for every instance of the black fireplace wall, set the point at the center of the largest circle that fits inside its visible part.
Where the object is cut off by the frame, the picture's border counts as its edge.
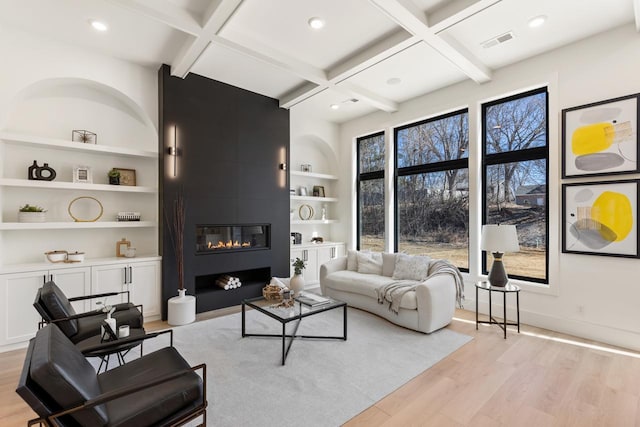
(223, 148)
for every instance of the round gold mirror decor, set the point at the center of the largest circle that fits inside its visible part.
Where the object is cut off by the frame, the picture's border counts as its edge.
(85, 209)
(305, 212)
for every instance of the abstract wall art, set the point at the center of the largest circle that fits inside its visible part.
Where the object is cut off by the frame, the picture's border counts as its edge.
(601, 218)
(601, 138)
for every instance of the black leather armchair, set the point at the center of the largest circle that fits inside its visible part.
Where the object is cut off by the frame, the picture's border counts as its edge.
(55, 307)
(158, 389)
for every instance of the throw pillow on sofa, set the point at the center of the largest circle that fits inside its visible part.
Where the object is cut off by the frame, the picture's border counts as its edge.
(411, 267)
(368, 263)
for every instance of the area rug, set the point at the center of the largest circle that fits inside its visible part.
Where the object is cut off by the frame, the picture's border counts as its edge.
(324, 383)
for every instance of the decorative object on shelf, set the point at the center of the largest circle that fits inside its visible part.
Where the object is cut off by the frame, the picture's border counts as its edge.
(127, 176)
(75, 256)
(305, 212)
(181, 309)
(292, 191)
(324, 213)
(297, 281)
(130, 252)
(82, 175)
(302, 191)
(305, 168)
(76, 219)
(64, 256)
(41, 173)
(601, 138)
(318, 191)
(601, 218)
(317, 239)
(122, 246)
(128, 216)
(29, 213)
(84, 136)
(114, 176)
(296, 238)
(499, 239)
(56, 256)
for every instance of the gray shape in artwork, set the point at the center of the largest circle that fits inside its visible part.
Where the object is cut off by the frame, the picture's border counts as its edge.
(590, 233)
(600, 114)
(598, 161)
(583, 195)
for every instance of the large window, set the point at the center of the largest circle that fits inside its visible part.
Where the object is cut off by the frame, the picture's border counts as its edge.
(515, 176)
(432, 188)
(371, 192)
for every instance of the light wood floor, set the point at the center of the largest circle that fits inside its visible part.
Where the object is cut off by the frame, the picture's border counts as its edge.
(537, 378)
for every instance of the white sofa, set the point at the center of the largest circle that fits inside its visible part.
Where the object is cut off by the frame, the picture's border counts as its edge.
(430, 307)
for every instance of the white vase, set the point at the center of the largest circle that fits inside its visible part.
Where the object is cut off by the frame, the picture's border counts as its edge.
(296, 284)
(31, 216)
(181, 309)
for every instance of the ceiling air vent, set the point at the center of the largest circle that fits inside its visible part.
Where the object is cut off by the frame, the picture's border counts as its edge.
(497, 40)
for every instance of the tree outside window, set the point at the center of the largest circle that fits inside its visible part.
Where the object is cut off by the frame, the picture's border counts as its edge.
(371, 222)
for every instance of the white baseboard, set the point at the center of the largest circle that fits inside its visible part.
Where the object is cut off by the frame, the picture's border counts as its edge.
(587, 330)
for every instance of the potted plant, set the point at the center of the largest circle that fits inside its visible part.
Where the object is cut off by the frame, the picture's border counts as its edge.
(31, 213)
(114, 176)
(297, 281)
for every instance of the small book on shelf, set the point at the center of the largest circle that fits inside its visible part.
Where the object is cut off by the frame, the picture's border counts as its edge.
(313, 300)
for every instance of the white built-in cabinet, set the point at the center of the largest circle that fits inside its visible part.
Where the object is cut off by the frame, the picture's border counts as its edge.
(19, 319)
(304, 182)
(314, 255)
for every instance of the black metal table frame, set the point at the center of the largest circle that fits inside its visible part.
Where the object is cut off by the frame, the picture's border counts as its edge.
(298, 319)
(492, 321)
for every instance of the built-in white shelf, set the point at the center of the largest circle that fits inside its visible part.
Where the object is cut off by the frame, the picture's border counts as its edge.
(313, 221)
(53, 185)
(75, 225)
(314, 198)
(63, 144)
(314, 175)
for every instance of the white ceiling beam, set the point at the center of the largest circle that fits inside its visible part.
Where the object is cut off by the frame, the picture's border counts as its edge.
(636, 11)
(163, 12)
(375, 54)
(364, 95)
(215, 18)
(299, 94)
(277, 59)
(443, 19)
(416, 23)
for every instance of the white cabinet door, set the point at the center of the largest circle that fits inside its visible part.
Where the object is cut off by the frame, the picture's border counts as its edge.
(309, 257)
(110, 278)
(144, 285)
(75, 282)
(19, 319)
(341, 250)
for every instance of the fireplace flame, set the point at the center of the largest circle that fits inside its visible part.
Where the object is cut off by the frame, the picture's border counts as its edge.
(228, 245)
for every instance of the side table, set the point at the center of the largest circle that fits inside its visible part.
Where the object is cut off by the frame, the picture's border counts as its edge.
(508, 288)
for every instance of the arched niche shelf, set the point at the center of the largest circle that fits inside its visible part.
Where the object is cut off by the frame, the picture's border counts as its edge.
(54, 107)
(313, 150)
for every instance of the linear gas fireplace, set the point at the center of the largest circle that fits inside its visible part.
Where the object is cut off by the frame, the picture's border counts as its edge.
(212, 239)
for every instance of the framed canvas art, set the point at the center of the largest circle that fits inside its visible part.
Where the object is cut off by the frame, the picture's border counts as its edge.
(601, 138)
(601, 218)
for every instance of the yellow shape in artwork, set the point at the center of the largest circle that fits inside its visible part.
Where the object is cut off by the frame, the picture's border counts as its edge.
(592, 138)
(614, 211)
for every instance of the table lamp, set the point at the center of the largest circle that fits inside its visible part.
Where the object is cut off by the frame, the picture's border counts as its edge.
(499, 239)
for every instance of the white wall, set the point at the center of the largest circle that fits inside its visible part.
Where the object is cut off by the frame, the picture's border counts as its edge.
(589, 296)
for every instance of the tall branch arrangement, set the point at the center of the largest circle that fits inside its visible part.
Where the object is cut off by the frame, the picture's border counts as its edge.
(176, 233)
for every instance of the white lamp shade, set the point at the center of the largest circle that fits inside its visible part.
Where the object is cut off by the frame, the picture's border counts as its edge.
(499, 238)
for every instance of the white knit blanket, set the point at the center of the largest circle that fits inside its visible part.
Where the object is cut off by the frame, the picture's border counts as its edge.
(393, 292)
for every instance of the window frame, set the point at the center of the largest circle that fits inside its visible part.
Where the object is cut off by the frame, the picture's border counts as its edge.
(528, 154)
(442, 166)
(365, 176)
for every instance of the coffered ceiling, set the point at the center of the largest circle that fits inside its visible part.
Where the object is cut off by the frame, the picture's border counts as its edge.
(370, 55)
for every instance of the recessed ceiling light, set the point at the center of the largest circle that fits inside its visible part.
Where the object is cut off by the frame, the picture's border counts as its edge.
(98, 26)
(335, 106)
(537, 21)
(394, 81)
(316, 23)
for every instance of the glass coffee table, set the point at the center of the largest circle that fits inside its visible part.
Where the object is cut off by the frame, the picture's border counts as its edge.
(295, 313)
